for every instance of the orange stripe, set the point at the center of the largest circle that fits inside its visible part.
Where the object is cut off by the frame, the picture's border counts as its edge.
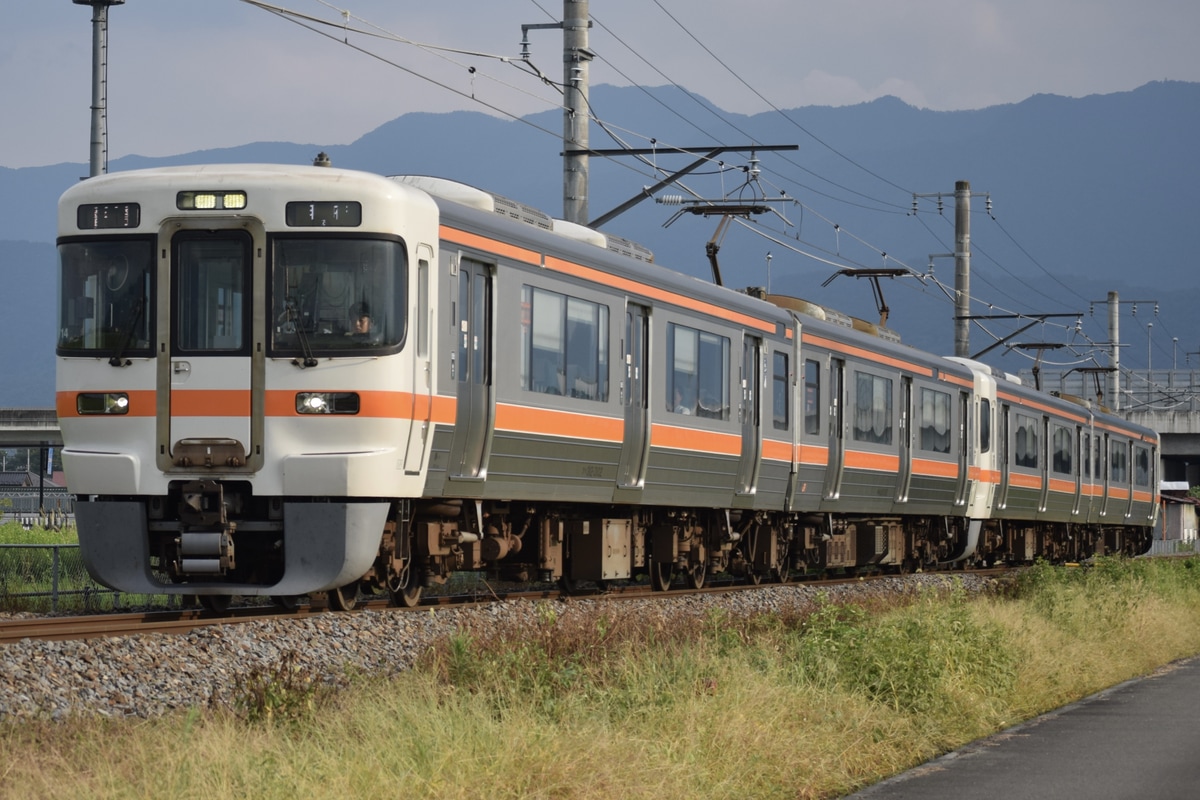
(210, 403)
(858, 459)
(626, 285)
(1024, 402)
(776, 450)
(551, 422)
(490, 245)
(1025, 481)
(930, 467)
(531, 257)
(812, 455)
(866, 355)
(691, 439)
(1065, 487)
(964, 382)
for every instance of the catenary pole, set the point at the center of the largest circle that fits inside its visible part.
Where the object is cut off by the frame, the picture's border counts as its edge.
(98, 162)
(576, 57)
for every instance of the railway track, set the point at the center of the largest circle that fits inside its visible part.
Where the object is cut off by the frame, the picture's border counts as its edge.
(99, 626)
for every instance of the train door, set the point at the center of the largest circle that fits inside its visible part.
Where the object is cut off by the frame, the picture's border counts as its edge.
(1044, 464)
(472, 371)
(837, 434)
(422, 393)
(963, 490)
(904, 478)
(211, 411)
(1002, 456)
(631, 471)
(751, 415)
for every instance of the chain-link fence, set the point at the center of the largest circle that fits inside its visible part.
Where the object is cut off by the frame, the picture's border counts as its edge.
(43, 578)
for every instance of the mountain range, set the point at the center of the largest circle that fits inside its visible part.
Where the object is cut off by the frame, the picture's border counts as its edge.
(1072, 198)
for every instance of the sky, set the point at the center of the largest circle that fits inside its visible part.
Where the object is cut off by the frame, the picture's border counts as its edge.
(186, 75)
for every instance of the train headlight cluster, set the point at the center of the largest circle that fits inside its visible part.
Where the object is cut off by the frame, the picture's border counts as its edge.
(89, 403)
(210, 201)
(327, 403)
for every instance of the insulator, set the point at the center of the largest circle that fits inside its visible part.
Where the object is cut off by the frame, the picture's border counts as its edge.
(669, 199)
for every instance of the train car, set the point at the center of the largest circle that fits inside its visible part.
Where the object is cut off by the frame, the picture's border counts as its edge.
(279, 380)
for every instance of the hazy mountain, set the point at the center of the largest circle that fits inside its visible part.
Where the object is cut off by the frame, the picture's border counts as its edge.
(1088, 195)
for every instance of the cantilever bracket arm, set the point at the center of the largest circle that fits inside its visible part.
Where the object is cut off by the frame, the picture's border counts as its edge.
(648, 191)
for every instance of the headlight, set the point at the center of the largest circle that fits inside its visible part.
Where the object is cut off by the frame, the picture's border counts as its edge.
(327, 403)
(88, 403)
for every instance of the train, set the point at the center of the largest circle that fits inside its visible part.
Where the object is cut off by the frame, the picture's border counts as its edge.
(288, 381)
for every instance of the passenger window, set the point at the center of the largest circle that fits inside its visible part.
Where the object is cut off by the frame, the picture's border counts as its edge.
(873, 408)
(779, 390)
(698, 380)
(812, 397)
(1063, 461)
(1025, 445)
(564, 348)
(935, 421)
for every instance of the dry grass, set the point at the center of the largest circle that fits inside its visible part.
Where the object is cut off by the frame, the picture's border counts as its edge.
(610, 705)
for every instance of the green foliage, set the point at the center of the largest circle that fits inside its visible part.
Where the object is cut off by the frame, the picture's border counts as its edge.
(282, 692)
(14, 533)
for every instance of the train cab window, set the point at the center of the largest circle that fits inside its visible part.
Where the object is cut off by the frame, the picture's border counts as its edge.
(812, 397)
(337, 296)
(564, 345)
(1141, 466)
(873, 408)
(1025, 442)
(1118, 461)
(935, 421)
(1063, 461)
(105, 299)
(698, 372)
(779, 390)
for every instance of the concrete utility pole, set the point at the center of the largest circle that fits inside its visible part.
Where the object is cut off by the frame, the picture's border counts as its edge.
(1114, 358)
(576, 57)
(99, 159)
(962, 269)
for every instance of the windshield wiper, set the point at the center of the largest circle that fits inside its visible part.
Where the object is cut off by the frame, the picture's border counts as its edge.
(118, 358)
(305, 348)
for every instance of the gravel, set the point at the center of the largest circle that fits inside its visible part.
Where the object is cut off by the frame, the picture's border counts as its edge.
(148, 675)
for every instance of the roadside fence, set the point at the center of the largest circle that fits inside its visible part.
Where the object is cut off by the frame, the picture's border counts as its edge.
(43, 578)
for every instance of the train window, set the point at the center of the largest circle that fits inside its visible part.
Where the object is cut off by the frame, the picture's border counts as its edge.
(1085, 453)
(1141, 466)
(564, 345)
(935, 421)
(210, 303)
(1118, 462)
(105, 298)
(1025, 444)
(1063, 459)
(779, 390)
(873, 408)
(698, 380)
(985, 425)
(334, 295)
(812, 397)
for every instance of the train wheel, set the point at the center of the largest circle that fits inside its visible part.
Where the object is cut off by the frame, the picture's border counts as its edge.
(568, 586)
(288, 602)
(404, 590)
(216, 603)
(344, 598)
(783, 573)
(754, 578)
(660, 576)
(695, 575)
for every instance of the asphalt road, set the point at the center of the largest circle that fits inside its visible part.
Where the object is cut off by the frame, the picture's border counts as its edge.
(1140, 739)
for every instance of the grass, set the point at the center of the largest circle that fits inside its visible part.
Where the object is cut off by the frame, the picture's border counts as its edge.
(610, 704)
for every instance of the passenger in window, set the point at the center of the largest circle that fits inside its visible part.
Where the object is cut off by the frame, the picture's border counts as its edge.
(680, 407)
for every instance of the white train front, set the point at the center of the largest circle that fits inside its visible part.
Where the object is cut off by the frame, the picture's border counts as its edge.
(281, 380)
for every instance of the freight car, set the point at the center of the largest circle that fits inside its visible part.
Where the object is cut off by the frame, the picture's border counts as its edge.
(277, 380)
